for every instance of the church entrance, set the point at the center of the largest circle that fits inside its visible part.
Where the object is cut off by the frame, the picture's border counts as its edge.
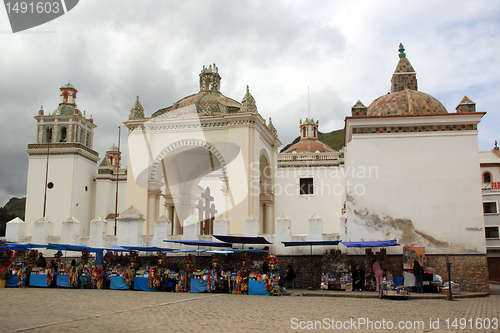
(190, 181)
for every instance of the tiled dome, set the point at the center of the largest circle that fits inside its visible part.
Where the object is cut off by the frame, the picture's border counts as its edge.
(309, 146)
(406, 102)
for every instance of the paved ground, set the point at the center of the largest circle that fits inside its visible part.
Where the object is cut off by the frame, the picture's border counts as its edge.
(68, 310)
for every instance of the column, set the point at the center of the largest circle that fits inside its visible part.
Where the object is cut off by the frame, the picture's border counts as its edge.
(269, 219)
(153, 208)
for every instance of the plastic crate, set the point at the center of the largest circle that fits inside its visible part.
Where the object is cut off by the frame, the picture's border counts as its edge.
(398, 281)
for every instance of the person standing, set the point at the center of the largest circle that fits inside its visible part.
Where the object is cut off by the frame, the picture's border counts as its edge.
(41, 262)
(358, 278)
(418, 271)
(377, 271)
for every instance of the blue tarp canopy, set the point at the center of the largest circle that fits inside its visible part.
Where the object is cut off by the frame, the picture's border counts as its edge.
(28, 245)
(13, 248)
(71, 247)
(242, 240)
(372, 243)
(146, 248)
(236, 251)
(312, 243)
(117, 248)
(189, 251)
(199, 243)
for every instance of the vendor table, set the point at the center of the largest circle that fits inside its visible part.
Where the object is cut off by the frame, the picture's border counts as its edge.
(63, 281)
(12, 281)
(85, 282)
(257, 288)
(117, 283)
(38, 280)
(141, 283)
(198, 285)
(409, 279)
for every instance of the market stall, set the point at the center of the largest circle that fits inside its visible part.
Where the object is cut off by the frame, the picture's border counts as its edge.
(249, 270)
(311, 244)
(380, 257)
(431, 283)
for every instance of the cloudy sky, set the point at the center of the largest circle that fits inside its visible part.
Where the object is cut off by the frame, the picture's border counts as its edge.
(343, 50)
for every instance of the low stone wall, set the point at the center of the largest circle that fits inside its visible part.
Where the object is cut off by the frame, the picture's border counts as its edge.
(470, 271)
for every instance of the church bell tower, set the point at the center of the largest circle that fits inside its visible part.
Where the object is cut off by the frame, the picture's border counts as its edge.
(61, 165)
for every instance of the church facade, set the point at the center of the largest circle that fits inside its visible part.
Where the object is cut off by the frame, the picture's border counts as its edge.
(209, 165)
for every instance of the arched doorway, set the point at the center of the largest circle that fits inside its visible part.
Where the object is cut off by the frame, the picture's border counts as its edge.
(190, 176)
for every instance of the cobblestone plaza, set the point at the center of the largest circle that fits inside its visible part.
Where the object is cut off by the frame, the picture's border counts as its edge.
(71, 310)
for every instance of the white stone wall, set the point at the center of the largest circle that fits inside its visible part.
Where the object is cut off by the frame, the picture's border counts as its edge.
(423, 190)
(70, 175)
(326, 201)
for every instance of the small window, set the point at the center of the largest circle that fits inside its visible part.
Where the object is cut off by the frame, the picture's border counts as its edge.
(306, 186)
(491, 232)
(490, 208)
(486, 177)
(63, 134)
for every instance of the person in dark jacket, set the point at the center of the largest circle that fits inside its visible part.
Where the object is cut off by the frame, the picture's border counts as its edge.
(289, 277)
(418, 271)
(41, 262)
(358, 278)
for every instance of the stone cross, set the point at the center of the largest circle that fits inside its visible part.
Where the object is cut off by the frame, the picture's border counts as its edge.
(206, 213)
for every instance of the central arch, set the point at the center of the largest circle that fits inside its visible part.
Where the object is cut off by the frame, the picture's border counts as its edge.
(177, 173)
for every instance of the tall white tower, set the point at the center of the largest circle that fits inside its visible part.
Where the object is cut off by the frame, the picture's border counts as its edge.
(62, 156)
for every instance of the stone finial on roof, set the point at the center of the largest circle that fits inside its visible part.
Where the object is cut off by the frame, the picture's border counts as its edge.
(359, 110)
(401, 50)
(248, 103)
(495, 150)
(404, 76)
(272, 129)
(131, 213)
(137, 111)
(466, 106)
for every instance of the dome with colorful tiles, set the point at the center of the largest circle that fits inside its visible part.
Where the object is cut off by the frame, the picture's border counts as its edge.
(113, 148)
(404, 98)
(68, 85)
(65, 109)
(209, 100)
(406, 102)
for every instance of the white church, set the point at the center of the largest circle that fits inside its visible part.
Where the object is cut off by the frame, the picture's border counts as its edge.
(209, 165)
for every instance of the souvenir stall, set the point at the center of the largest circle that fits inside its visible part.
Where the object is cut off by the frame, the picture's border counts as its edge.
(76, 273)
(311, 244)
(238, 271)
(267, 283)
(12, 266)
(117, 271)
(150, 276)
(380, 257)
(431, 283)
(190, 279)
(336, 271)
(249, 270)
(26, 265)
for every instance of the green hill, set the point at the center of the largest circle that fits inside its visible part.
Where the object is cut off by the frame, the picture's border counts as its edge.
(334, 139)
(12, 209)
